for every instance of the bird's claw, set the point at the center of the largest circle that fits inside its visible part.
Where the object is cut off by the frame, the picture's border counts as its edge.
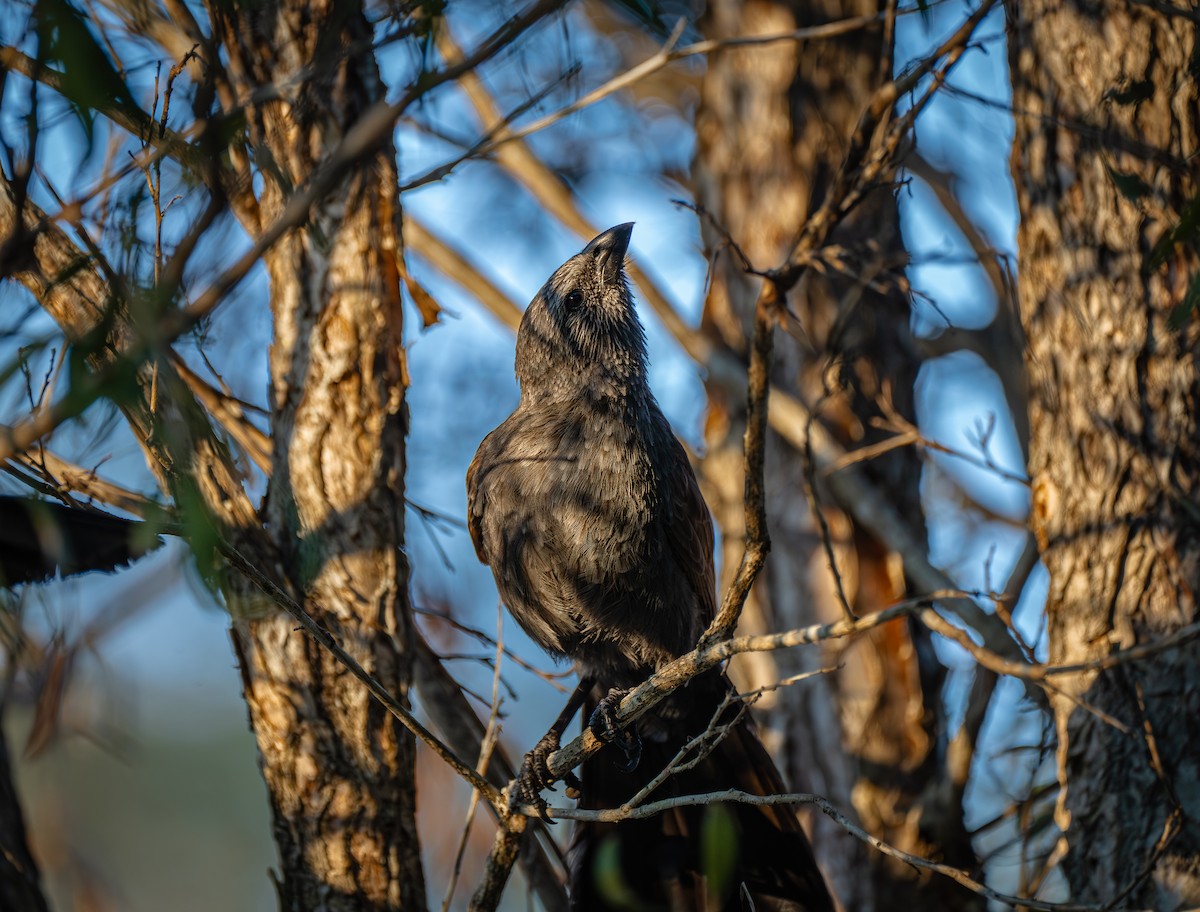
(604, 725)
(535, 776)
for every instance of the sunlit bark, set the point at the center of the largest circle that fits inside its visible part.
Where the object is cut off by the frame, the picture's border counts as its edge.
(1103, 161)
(338, 767)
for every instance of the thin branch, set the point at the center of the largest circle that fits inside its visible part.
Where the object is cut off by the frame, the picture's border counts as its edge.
(758, 540)
(736, 796)
(485, 756)
(65, 476)
(674, 675)
(502, 134)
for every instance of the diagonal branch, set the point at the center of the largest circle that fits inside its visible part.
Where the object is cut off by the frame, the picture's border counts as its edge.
(381, 693)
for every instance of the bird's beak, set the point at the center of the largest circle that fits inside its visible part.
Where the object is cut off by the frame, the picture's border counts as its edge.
(609, 249)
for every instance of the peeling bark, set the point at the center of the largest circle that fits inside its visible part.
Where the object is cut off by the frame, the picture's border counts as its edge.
(1108, 117)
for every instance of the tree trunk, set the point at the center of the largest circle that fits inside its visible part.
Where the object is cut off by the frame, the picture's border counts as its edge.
(1103, 161)
(338, 767)
(773, 126)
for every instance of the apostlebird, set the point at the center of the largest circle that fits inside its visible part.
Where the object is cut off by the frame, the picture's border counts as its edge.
(585, 506)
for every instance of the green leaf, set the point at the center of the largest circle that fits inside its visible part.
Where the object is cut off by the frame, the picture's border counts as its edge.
(720, 839)
(1133, 94)
(1188, 230)
(1129, 185)
(1179, 316)
(89, 82)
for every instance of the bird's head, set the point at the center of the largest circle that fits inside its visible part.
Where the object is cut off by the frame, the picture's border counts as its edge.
(582, 324)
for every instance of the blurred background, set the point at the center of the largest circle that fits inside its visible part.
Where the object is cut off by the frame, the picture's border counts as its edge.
(143, 793)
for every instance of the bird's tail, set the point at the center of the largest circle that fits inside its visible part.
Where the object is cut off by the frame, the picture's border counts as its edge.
(728, 856)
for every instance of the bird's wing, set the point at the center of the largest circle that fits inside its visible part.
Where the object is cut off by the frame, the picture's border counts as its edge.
(477, 501)
(690, 529)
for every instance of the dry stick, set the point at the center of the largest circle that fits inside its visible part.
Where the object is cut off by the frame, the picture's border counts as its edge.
(758, 539)
(735, 795)
(938, 624)
(485, 756)
(550, 677)
(674, 675)
(694, 749)
(381, 693)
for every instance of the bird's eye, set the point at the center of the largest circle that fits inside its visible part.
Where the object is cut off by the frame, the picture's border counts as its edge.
(574, 299)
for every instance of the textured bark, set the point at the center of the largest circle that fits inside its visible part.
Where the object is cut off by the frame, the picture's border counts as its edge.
(1105, 93)
(338, 767)
(773, 125)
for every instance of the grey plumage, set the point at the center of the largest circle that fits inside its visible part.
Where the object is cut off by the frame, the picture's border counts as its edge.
(583, 501)
(585, 507)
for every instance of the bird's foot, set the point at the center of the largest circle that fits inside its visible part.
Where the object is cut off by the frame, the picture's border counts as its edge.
(535, 776)
(604, 725)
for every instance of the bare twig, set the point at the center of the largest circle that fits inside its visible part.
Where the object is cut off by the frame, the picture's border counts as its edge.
(485, 757)
(666, 55)
(734, 795)
(672, 676)
(758, 540)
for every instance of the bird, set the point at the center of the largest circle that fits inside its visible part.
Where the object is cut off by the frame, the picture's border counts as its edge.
(585, 507)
